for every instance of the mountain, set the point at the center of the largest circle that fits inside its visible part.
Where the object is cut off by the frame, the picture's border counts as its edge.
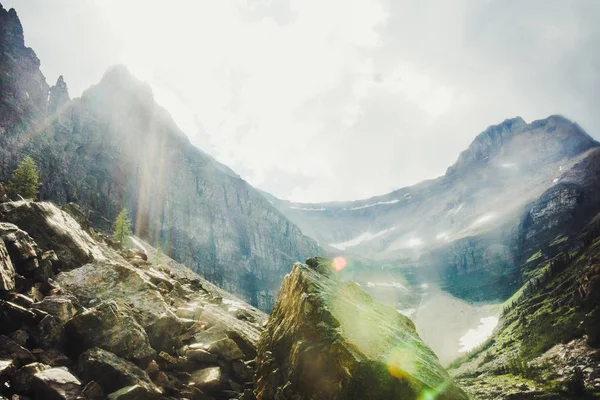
(517, 187)
(116, 147)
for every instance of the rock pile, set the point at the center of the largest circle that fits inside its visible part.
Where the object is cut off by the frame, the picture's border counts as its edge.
(79, 320)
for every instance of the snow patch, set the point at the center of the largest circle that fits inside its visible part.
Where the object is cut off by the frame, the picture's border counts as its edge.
(475, 337)
(363, 237)
(483, 219)
(307, 209)
(508, 165)
(555, 180)
(407, 312)
(442, 236)
(379, 203)
(454, 212)
(387, 284)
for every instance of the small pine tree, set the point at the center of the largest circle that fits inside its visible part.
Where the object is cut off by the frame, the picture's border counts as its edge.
(122, 227)
(25, 180)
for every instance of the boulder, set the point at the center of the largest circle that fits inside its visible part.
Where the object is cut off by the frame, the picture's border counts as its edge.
(21, 380)
(13, 316)
(207, 378)
(10, 350)
(226, 348)
(7, 368)
(135, 392)
(56, 384)
(7, 271)
(93, 391)
(198, 354)
(112, 372)
(52, 357)
(48, 333)
(22, 249)
(60, 307)
(122, 283)
(327, 339)
(53, 229)
(164, 334)
(110, 327)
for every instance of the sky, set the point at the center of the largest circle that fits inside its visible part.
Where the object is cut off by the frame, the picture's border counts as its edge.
(323, 100)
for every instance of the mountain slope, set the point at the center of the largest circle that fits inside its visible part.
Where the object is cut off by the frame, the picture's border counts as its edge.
(517, 186)
(116, 147)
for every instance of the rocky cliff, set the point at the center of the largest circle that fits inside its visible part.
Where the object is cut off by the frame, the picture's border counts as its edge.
(327, 339)
(115, 147)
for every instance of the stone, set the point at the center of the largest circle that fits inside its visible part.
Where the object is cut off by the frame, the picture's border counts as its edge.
(7, 369)
(52, 357)
(96, 282)
(13, 316)
(48, 265)
(112, 372)
(200, 355)
(60, 307)
(56, 384)
(164, 334)
(110, 327)
(135, 392)
(20, 337)
(207, 378)
(7, 271)
(242, 370)
(49, 333)
(328, 354)
(10, 350)
(93, 391)
(21, 248)
(53, 229)
(21, 380)
(226, 348)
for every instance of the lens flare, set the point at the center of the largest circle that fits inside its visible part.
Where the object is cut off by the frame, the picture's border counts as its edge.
(399, 361)
(339, 263)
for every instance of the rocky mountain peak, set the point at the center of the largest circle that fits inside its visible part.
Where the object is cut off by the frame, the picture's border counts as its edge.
(540, 142)
(59, 95)
(10, 28)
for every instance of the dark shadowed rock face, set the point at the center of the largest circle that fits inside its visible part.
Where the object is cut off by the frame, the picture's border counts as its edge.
(115, 146)
(330, 340)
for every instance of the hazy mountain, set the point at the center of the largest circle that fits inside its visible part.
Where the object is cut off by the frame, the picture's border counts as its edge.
(516, 187)
(116, 147)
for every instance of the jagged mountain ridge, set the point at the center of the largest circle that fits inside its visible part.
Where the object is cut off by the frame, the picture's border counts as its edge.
(116, 147)
(516, 186)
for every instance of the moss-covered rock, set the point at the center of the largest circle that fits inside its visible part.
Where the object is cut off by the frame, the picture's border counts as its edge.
(330, 340)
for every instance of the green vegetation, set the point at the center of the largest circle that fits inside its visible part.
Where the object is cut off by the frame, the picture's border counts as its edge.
(24, 180)
(122, 228)
(534, 256)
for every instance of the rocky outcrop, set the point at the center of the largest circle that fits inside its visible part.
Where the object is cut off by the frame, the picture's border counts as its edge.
(329, 340)
(116, 147)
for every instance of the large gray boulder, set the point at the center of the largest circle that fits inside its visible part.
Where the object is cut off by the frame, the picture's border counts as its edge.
(110, 327)
(56, 384)
(112, 372)
(53, 229)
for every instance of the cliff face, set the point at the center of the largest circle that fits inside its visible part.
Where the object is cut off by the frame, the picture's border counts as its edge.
(116, 147)
(330, 340)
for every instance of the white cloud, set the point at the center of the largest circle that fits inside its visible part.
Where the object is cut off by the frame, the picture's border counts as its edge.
(347, 99)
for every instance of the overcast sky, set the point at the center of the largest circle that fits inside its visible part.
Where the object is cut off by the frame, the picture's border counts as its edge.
(316, 100)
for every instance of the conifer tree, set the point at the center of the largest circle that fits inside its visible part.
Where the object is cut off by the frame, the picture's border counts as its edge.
(24, 180)
(122, 227)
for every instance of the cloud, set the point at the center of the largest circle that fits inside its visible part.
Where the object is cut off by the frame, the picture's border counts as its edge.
(339, 99)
